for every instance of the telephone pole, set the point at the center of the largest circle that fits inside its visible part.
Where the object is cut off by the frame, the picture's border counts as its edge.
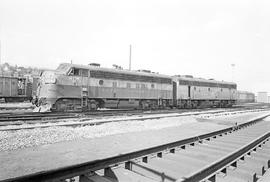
(0, 53)
(129, 57)
(1, 58)
(232, 65)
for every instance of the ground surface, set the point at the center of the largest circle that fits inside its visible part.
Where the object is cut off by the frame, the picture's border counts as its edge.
(16, 107)
(16, 104)
(11, 140)
(18, 139)
(50, 156)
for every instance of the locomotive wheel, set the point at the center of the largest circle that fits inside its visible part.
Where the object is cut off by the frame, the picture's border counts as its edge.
(154, 107)
(144, 105)
(93, 105)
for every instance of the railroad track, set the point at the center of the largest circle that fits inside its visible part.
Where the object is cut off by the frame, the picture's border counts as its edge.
(27, 116)
(235, 154)
(45, 121)
(30, 116)
(16, 108)
(34, 116)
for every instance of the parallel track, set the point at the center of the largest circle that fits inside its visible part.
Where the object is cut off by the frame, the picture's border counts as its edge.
(31, 116)
(45, 121)
(27, 116)
(231, 154)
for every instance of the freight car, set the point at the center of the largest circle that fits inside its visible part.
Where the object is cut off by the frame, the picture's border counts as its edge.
(245, 97)
(78, 87)
(15, 89)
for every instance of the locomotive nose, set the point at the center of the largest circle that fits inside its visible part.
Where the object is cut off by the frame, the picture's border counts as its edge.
(46, 93)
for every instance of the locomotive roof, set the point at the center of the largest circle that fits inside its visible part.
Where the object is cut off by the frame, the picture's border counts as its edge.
(244, 92)
(203, 80)
(67, 66)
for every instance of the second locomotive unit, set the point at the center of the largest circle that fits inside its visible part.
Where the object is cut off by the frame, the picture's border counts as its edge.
(77, 87)
(192, 92)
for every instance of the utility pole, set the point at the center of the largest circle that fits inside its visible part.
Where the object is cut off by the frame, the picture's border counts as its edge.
(0, 53)
(129, 57)
(1, 57)
(232, 65)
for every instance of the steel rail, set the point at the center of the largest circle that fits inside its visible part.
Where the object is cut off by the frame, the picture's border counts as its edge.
(30, 114)
(40, 116)
(211, 169)
(10, 117)
(11, 114)
(79, 169)
(85, 121)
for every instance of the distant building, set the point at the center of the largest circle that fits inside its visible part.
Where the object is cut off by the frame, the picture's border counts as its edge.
(262, 97)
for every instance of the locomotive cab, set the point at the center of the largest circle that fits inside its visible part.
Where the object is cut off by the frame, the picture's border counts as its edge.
(58, 89)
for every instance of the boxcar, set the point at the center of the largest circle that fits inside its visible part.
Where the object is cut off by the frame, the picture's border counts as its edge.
(13, 89)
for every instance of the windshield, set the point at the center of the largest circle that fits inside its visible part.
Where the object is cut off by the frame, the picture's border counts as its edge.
(63, 68)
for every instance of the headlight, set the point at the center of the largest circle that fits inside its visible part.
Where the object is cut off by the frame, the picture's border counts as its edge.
(48, 77)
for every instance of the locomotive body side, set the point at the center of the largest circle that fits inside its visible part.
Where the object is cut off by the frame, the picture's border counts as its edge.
(245, 97)
(87, 87)
(197, 92)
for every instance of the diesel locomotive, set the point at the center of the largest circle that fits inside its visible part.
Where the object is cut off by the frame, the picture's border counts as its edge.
(245, 97)
(74, 87)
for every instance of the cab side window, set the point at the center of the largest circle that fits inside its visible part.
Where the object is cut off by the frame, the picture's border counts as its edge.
(71, 72)
(76, 72)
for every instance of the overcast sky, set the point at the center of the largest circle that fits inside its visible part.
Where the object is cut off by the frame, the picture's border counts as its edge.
(196, 37)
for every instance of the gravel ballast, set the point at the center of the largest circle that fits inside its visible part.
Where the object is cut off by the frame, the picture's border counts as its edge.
(11, 140)
(18, 139)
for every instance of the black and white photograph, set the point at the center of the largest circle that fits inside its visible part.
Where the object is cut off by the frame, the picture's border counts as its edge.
(134, 91)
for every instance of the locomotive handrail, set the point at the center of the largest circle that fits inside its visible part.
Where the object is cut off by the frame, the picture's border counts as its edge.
(79, 169)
